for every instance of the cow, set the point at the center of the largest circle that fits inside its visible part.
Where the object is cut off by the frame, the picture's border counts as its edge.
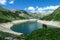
(44, 25)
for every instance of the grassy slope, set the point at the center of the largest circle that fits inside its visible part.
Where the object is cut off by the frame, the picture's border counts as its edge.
(7, 15)
(45, 34)
(54, 16)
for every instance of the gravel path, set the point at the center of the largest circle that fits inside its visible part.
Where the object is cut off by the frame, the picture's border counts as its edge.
(53, 23)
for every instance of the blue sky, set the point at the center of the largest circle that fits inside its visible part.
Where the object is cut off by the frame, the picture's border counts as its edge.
(31, 5)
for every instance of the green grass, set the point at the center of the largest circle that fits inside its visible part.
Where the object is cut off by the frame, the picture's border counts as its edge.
(8, 15)
(55, 16)
(45, 34)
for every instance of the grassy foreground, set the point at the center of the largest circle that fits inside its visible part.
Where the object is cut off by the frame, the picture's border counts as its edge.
(40, 34)
(45, 34)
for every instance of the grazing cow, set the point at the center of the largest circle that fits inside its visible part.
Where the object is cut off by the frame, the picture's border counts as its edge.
(44, 26)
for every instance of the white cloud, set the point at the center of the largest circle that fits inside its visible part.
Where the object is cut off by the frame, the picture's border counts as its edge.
(11, 2)
(48, 8)
(3, 2)
(31, 8)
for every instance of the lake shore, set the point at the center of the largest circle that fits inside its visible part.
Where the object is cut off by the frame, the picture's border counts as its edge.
(6, 26)
(53, 23)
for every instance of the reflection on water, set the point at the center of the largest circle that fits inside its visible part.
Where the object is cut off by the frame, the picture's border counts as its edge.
(26, 27)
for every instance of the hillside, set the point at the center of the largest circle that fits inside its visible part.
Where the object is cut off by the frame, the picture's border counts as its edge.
(22, 13)
(45, 34)
(55, 16)
(8, 15)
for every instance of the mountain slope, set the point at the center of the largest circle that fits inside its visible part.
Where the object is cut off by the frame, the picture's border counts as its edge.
(8, 15)
(22, 13)
(55, 16)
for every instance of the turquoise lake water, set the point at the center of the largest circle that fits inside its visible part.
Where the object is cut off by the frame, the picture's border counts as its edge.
(26, 27)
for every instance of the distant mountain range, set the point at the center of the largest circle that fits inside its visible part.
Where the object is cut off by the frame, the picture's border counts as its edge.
(9, 15)
(55, 16)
